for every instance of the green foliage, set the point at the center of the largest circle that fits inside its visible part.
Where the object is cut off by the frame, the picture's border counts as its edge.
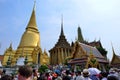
(78, 68)
(42, 68)
(102, 51)
(66, 60)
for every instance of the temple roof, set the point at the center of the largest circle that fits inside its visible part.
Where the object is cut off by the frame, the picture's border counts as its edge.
(115, 59)
(83, 51)
(95, 43)
(84, 60)
(62, 42)
(88, 49)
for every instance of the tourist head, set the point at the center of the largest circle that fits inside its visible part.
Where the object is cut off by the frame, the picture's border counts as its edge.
(86, 73)
(25, 73)
(4, 71)
(68, 72)
(112, 78)
(6, 77)
(104, 74)
(113, 70)
(0, 72)
(79, 72)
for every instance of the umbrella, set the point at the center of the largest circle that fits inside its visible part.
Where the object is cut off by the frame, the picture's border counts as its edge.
(94, 71)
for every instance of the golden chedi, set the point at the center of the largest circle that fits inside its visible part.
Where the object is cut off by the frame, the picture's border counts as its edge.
(8, 55)
(29, 47)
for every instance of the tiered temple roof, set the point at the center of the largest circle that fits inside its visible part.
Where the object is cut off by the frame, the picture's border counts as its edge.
(115, 62)
(82, 52)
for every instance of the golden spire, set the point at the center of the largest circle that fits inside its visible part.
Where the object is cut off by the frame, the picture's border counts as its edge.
(32, 22)
(34, 4)
(31, 37)
(10, 47)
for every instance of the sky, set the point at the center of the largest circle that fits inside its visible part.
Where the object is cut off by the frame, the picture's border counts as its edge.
(98, 19)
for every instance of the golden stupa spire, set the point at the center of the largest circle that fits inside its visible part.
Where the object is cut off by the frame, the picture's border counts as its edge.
(32, 22)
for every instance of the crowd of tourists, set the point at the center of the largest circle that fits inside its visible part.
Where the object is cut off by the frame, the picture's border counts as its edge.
(28, 73)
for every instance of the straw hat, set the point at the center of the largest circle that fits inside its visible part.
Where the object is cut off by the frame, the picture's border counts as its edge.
(86, 72)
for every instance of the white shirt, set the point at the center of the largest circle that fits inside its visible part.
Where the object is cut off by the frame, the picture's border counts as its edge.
(79, 77)
(86, 78)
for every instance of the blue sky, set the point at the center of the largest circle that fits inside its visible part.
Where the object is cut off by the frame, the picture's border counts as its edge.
(98, 19)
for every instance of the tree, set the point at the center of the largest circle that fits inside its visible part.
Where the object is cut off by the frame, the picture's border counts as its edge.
(42, 68)
(102, 51)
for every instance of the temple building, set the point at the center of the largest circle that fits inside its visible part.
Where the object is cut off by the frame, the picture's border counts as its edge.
(61, 50)
(86, 56)
(115, 62)
(8, 54)
(94, 43)
(29, 50)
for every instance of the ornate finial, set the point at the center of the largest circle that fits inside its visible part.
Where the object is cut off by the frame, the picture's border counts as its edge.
(10, 47)
(62, 20)
(32, 25)
(34, 4)
(62, 33)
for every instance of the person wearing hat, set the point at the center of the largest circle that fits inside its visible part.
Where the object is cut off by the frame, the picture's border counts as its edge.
(86, 74)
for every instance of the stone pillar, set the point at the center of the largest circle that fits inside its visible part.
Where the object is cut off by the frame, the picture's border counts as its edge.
(65, 54)
(62, 57)
(69, 52)
(56, 56)
(59, 56)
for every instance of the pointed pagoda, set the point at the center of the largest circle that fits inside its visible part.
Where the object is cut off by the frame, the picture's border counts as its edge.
(61, 50)
(8, 55)
(30, 39)
(29, 50)
(44, 59)
(80, 37)
(94, 43)
(115, 62)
